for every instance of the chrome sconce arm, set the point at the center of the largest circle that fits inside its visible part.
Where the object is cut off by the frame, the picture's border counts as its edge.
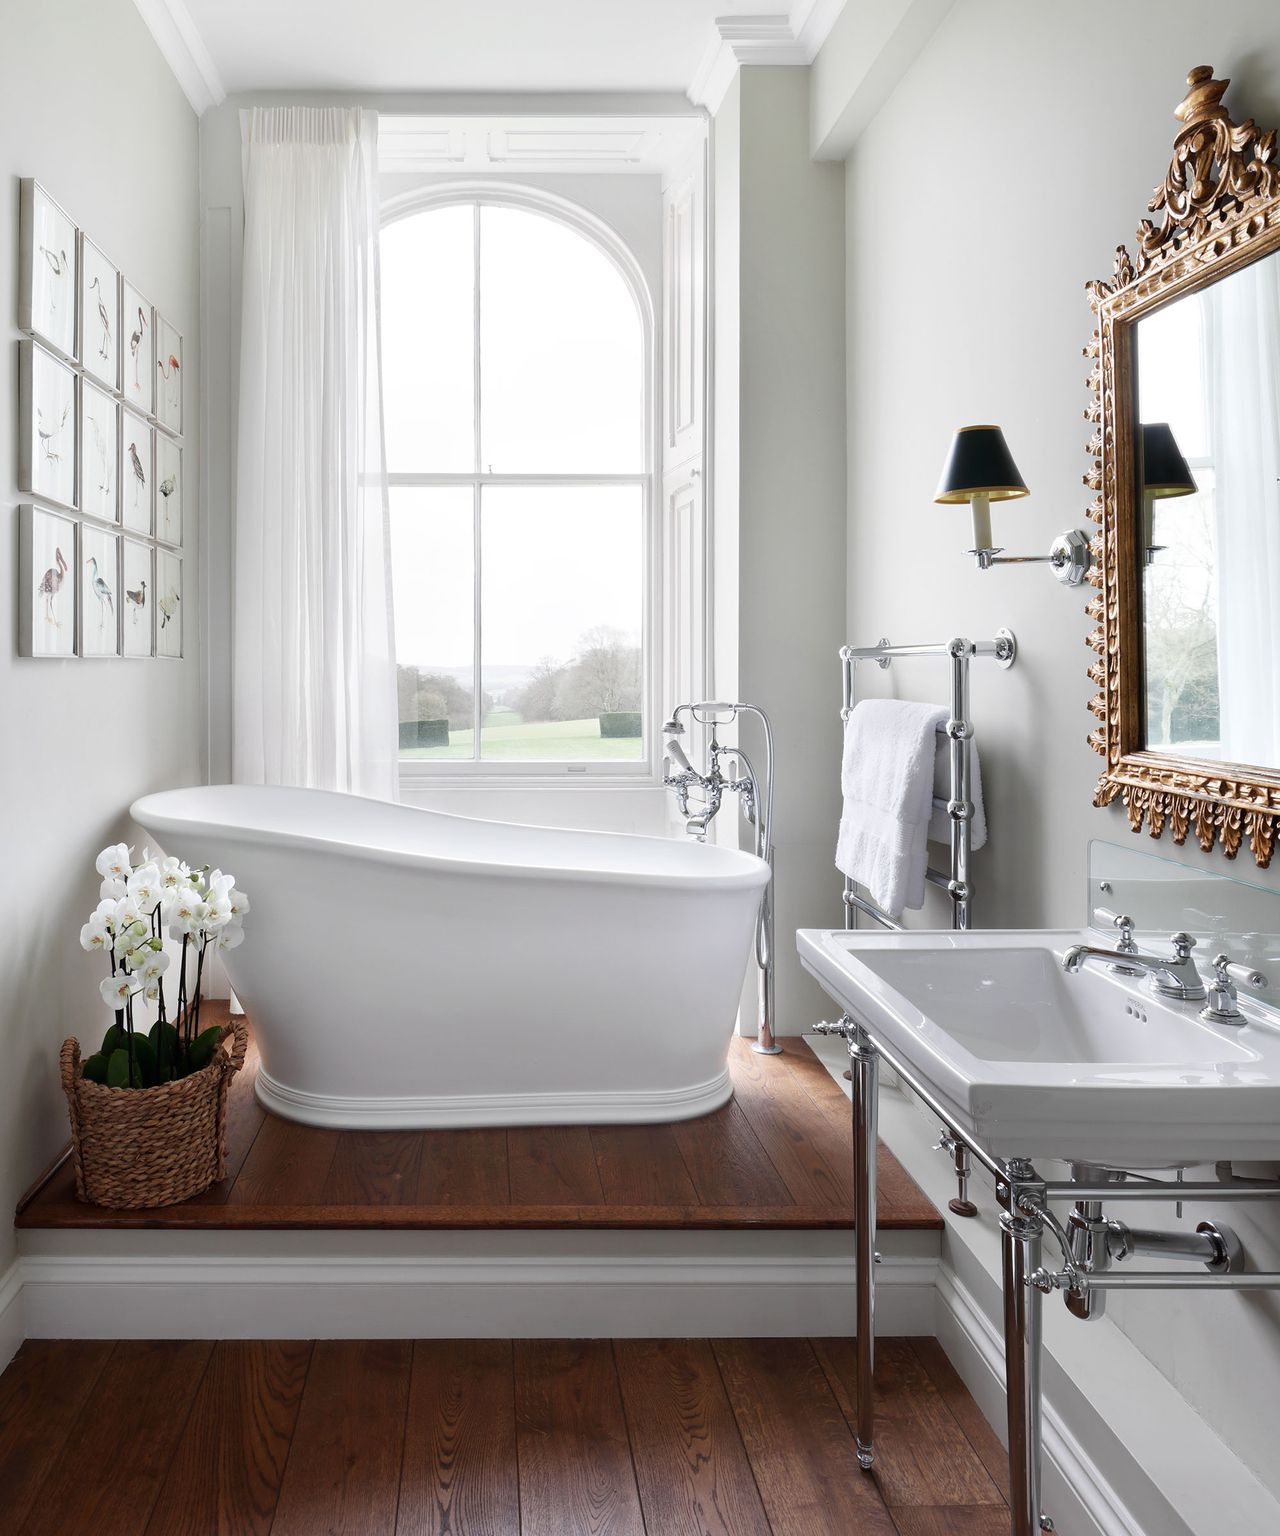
(1069, 557)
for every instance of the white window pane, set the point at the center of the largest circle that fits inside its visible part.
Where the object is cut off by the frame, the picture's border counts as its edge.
(562, 618)
(428, 315)
(561, 352)
(432, 562)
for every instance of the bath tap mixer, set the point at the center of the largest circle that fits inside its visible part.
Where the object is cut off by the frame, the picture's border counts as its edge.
(1171, 976)
(755, 799)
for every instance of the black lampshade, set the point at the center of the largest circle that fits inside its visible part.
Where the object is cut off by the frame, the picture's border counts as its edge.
(979, 462)
(1164, 471)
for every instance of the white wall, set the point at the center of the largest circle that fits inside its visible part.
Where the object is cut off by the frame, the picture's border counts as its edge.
(779, 488)
(1014, 155)
(90, 109)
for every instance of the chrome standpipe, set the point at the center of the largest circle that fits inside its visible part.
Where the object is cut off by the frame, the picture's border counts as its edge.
(755, 797)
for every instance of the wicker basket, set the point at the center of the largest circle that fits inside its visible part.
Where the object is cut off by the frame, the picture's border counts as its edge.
(151, 1146)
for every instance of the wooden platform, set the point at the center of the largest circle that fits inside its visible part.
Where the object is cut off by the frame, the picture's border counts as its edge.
(488, 1438)
(777, 1155)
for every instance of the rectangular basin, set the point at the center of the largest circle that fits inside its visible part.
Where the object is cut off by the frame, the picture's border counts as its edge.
(1033, 1062)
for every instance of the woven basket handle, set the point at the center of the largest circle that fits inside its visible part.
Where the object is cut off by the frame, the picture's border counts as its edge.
(70, 1064)
(239, 1031)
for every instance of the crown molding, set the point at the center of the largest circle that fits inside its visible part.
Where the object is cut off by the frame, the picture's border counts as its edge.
(791, 38)
(179, 40)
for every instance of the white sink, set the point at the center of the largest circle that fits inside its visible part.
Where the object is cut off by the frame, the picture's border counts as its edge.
(1033, 1062)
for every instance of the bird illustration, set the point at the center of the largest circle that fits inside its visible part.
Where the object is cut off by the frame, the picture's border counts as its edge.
(104, 346)
(59, 266)
(106, 602)
(48, 435)
(51, 585)
(135, 347)
(137, 599)
(168, 372)
(139, 474)
(104, 458)
(168, 605)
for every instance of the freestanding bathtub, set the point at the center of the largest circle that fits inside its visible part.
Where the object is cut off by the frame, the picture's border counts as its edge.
(406, 968)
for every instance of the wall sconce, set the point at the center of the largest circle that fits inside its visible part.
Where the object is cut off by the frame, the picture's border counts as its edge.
(1165, 473)
(980, 470)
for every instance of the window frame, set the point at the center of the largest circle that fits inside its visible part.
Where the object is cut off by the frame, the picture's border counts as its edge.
(417, 773)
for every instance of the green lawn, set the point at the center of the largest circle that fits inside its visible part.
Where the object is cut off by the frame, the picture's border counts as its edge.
(567, 740)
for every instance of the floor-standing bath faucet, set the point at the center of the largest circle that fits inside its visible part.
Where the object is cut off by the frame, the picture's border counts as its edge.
(756, 799)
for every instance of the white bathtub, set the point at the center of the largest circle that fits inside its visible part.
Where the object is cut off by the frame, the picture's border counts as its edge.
(407, 968)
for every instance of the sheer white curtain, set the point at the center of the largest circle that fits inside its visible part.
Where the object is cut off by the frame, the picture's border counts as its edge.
(315, 695)
(1243, 360)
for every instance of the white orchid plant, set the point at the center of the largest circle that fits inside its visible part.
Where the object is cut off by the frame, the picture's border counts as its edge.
(138, 907)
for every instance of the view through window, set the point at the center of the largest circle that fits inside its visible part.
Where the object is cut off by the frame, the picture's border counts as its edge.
(514, 400)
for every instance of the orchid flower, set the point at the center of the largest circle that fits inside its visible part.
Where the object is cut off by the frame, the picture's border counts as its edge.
(117, 990)
(112, 889)
(113, 863)
(94, 936)
(144, 887)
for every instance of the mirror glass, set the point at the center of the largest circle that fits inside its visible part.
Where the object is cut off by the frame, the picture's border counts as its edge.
(1208, 462)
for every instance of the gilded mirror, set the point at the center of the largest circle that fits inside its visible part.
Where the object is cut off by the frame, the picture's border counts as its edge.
(1186, 464)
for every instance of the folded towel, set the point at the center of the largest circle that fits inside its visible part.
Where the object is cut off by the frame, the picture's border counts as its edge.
(940, 822)
(890, 747)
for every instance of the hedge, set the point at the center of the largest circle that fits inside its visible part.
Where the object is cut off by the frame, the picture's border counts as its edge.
(621, 723)
(424, 733)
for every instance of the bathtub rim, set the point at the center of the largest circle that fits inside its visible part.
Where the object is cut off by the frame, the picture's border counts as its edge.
(471, 1111)
(752, 873)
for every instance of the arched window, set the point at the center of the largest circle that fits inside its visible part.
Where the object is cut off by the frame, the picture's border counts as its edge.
(516, 372)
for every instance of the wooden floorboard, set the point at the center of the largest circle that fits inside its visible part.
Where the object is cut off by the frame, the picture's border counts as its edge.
(981, 1436)
(777, 1155)
(460, 1475)
(109, 1471)
(799, 1444)
(663, 1437)
(690, 1464)
(41, 1394)
(342, 1477)
(576, 1473)
(226, 1473)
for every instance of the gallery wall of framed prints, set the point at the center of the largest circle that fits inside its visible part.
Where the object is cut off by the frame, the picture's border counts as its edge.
(100, 406)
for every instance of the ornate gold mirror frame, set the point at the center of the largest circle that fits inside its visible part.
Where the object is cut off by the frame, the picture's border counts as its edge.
(1217, 209)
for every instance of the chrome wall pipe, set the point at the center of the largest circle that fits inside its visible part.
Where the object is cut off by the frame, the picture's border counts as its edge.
(755, 796)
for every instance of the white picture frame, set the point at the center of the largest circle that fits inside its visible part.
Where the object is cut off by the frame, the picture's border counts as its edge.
(48, 421)
(99, 316)
(168, 378)
(99, 453)
(137, 597)
(98, 590)
(137, 472)
(137, 350)
(49, 565)
(167, 479)
(48, 270)
(168, 610)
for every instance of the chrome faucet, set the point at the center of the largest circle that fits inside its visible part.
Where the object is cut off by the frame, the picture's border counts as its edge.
(1171, 976)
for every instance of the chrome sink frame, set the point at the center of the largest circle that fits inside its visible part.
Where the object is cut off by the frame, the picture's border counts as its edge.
(1025, 1218)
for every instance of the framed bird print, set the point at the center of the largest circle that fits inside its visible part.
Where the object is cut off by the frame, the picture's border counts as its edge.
(168, 410)
(46, 425)
(99, 315)
(99, 453)
(137, 350)
(168, 603)
(99, 591)
(48, 560)
(168, 479)
(137, 587)
(47, 269)
(136, 460)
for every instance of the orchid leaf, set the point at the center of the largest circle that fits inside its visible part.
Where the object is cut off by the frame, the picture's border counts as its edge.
(95, 1068)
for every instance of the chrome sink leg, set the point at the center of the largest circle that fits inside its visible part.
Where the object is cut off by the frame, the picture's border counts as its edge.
(1021, 1228)
(865, 1063)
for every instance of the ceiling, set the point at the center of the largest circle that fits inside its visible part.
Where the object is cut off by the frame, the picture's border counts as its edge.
(466, 46)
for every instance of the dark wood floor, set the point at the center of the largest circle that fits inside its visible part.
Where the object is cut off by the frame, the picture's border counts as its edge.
(777, 1155)
(488, 1438)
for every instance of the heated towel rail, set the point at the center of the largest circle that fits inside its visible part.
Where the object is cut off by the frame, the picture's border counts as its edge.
(958, 883)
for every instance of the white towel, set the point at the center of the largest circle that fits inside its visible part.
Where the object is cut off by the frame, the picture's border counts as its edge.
(940, 822)
(890, 747)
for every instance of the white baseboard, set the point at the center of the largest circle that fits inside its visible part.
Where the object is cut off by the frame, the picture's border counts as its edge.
(12, 1309)
(435, 1296)
(1075, 1493)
